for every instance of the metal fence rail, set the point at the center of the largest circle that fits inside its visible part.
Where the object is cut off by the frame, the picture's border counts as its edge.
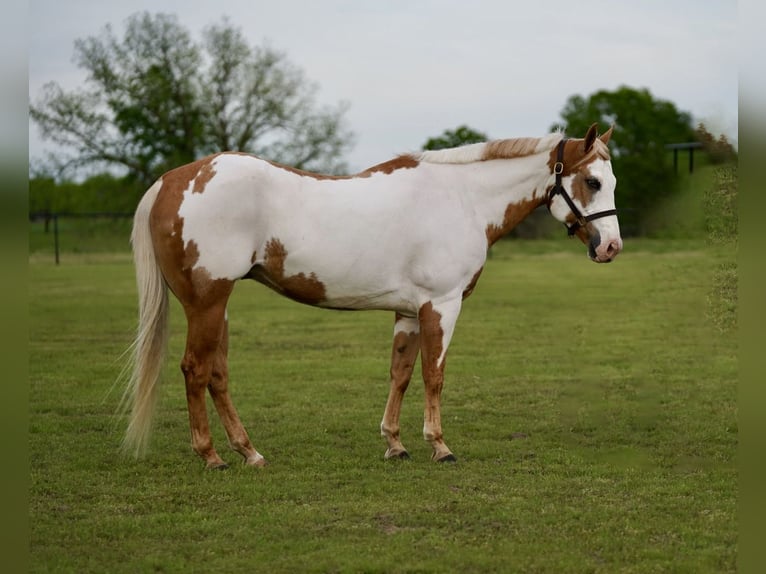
(53, 218)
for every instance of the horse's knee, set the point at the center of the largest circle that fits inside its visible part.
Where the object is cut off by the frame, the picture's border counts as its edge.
(197, 373)
(189, 365)
(400, 381)
(219, 383)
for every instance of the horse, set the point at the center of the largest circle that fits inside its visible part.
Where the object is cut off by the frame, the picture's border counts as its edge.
(410, 235)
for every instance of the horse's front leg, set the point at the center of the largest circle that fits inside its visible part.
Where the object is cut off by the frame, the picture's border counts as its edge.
(403, 356)
(437, 323)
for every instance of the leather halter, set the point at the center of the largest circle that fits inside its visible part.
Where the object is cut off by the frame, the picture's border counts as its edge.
(558, 189)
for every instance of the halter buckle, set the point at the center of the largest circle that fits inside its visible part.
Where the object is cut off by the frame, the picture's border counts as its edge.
(558, 168)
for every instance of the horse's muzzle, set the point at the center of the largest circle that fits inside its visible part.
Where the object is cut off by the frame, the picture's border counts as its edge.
(604, 251)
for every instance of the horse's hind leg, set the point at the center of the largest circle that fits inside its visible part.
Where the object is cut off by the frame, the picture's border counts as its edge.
(205, 332)
(219, 391)
(403, 356)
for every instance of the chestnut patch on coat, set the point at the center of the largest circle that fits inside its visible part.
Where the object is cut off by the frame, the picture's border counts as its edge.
(205, 174)
(388, 167)
(514, 214)
(469, 289)
(575, 157)
(580, 190)
(403, 356)
(191, 255)
(300, 287)
(177, 261)
(576, 162)
(431, 346)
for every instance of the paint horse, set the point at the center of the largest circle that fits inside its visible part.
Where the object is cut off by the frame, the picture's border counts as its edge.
(409, 235)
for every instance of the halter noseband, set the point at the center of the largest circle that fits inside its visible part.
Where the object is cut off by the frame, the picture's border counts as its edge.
(558, 189)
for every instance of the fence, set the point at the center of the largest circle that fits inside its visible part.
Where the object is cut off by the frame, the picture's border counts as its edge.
(688, 146)
(91, 231)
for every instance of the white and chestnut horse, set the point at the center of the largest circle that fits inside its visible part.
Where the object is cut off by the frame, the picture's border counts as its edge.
(409, 235)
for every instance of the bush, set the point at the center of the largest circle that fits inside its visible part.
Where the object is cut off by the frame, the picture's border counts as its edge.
(720, 204)
(722, 225)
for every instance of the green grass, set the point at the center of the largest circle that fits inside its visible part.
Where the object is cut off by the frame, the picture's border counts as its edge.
(592, 409)
(682, 214)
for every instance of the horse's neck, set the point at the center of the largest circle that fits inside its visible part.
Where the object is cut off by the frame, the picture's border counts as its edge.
(505, 191)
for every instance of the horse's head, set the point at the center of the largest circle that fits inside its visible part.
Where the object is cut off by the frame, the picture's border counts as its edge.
(581, 194)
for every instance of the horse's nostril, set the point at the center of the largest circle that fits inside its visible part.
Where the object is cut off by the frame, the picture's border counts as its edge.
(613, 248)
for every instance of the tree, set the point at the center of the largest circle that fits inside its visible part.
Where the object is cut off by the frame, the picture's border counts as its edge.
(643, 125)
(102, 192)
(718, 150)
(462, 135)
(155, 99)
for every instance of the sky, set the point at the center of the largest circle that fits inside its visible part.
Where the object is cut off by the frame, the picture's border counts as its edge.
(410, 69)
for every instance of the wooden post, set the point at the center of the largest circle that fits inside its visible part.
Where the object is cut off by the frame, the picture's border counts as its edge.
(689, 147)
(56, 236)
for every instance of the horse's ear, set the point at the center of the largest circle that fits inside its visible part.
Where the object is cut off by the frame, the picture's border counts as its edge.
(590, 137)
(607, 136)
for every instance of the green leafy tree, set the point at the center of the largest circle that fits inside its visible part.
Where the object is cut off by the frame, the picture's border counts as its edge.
(461, 135)
(643, 125)
(102, 192)
(155, 98)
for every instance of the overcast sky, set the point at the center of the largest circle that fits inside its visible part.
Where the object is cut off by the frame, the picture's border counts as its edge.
(412, 68)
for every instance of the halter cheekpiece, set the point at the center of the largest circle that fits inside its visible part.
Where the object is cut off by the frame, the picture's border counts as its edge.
(558, 189)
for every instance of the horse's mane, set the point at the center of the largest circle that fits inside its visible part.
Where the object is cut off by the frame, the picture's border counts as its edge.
(495, 149)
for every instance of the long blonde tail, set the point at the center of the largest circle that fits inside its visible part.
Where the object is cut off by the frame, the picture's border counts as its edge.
(148, 349)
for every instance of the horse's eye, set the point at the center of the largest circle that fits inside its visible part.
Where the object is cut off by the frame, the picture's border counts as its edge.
(593, 183)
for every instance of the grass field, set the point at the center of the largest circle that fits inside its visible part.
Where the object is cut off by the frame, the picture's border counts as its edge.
(592, 409)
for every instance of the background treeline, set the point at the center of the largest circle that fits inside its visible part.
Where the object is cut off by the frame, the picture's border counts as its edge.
(155, 98)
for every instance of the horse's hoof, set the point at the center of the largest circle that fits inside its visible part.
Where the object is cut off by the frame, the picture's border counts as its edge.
(448, 458)
(257, 460)
(401, 455)
(217, 466)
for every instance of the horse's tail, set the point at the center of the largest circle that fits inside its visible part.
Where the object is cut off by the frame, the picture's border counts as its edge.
(148, 349)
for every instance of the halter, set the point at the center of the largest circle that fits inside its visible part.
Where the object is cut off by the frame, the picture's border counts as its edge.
(580, 219)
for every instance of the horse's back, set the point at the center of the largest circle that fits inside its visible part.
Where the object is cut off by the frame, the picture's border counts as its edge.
(354, 242)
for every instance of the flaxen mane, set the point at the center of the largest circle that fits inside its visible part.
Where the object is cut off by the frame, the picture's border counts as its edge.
(506, 149)
(496, 149)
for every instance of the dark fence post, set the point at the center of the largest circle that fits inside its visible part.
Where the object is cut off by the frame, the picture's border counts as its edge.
(688, 146)
(47, 216)
(56, 235)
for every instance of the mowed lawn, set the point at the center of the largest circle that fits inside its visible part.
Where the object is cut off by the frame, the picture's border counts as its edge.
(592, 409)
